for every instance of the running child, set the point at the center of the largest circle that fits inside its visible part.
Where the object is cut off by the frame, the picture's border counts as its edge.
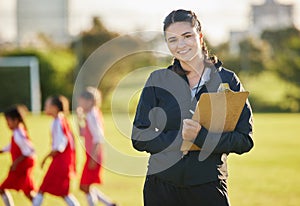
(91, 128)
(23, 157)
(62, 167)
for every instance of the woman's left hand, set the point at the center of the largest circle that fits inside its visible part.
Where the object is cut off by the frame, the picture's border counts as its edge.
(190, 129)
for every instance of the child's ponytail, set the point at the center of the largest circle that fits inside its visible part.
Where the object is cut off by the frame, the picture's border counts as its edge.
(16, 112)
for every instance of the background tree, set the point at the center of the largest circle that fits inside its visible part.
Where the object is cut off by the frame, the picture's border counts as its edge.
(285, 62)
(254, 54)
(88, 41)
(103, 67)
(285, 46)
(56, 75)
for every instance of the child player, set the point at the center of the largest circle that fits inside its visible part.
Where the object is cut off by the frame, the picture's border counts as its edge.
(91, 128)
(23, 157)
(62, 167)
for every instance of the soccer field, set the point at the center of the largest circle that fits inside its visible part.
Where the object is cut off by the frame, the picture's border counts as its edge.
(268, 175)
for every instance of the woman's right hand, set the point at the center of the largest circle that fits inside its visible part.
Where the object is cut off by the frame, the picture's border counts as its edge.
(190, 129)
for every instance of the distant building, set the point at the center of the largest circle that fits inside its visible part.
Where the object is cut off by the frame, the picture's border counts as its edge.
(47, 17)
(235, 38)
(269, 15)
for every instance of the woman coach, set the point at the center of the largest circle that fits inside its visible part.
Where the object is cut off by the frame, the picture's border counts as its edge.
(163, 120)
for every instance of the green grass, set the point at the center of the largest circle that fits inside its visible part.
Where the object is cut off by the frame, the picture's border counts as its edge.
(268, 175)
(277, 95)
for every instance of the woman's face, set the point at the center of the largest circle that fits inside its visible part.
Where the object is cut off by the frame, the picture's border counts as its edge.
(183, 41)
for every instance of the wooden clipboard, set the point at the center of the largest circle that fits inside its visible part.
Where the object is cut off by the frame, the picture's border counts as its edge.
(217, 112)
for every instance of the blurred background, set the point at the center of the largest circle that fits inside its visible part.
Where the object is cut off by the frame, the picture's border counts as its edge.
(44, 44)
(258, 39)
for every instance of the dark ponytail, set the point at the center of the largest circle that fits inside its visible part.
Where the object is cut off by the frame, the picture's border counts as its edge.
(61, 102)
(16, 112)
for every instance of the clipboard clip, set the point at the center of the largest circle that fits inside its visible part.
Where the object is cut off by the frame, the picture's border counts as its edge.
(224, 87)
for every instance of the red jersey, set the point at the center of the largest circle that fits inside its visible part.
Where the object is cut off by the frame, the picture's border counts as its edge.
(93, 134)
(21, 177)
(62, 167)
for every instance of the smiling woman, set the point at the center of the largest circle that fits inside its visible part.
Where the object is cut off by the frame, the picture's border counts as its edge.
(183, 41)
(163, 121)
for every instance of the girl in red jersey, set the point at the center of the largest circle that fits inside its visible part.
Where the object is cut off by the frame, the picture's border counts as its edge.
(62, 167)
(23, 157)
(91, 128)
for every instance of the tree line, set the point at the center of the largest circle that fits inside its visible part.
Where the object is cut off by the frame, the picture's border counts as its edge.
(276, 55)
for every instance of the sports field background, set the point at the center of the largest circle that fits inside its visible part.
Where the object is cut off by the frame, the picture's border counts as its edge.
(268, 175)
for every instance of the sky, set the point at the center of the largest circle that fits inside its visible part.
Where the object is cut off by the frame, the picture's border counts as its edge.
(218, 17)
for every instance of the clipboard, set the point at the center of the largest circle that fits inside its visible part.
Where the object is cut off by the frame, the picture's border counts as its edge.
(217, 112)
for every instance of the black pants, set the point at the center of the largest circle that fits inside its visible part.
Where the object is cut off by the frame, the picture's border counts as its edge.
(160, 193)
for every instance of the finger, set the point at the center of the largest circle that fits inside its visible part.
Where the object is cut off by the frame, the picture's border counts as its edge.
(187, 122)
(187, 128)
(192, 128)
(189, 135)
(191, 122)
(189, 132)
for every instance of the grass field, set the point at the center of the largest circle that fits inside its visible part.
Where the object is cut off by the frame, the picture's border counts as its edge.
(268, 175)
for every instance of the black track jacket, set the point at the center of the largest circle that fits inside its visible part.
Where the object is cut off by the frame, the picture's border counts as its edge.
(164, 103)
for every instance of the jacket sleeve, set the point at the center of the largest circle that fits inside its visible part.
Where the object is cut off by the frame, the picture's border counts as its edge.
(148, 132)
(240, 140)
